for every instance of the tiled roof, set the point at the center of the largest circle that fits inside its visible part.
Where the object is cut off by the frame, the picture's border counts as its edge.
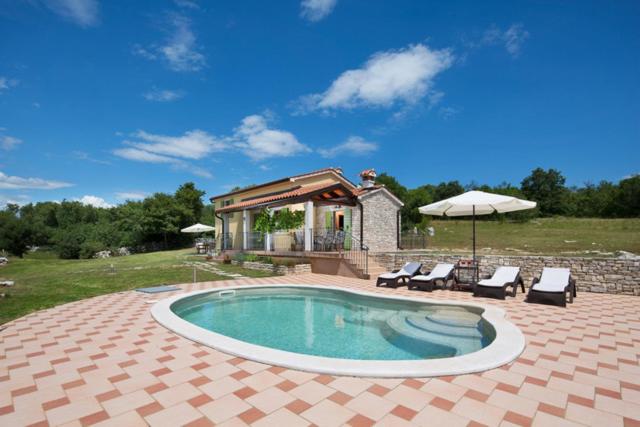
(295, 192)
(337, 171)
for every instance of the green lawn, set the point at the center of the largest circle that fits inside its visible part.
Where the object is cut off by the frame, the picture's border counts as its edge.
(550, 236)
(42, 280)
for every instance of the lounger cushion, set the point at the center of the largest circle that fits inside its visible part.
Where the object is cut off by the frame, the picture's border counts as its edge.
(553, 280)
(501, 276)
(408, 269)
(440, 271)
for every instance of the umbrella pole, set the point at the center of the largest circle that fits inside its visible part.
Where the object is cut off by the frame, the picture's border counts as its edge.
(475, 271)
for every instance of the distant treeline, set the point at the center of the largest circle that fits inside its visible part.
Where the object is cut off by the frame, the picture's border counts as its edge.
(76, 230)
(546, 187)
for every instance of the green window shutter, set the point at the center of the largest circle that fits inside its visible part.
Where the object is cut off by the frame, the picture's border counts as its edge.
(347, 229)
(328, 220)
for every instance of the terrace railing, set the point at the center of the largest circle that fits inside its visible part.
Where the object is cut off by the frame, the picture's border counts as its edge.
(413, 240)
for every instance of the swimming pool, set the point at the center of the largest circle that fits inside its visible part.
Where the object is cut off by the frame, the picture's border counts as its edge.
(339, 331)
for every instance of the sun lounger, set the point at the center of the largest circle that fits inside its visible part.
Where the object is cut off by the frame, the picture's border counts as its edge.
(399, 277)
(426, 282)
(496, 286)
(552, 287)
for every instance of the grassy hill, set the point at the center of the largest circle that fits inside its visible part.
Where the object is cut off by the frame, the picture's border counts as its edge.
(549, 236)
(42, 280)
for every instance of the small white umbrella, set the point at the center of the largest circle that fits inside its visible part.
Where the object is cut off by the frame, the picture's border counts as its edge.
(476, 203)
(198, 228)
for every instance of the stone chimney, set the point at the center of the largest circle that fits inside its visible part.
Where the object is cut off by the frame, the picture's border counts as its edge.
(368, 178)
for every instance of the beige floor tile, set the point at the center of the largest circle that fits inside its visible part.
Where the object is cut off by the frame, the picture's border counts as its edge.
(592, 417)
(513, 402)
(280, 418)
(262, 380)
(221, 387)
(328, 414)
(270, 399)
(350, 385)
(128, 419)
(432, 416)
(409, 397)
(224, 408)
(180, 393)
(312, 392)
(177, 415)
(371, 406)
(127, 402)
(544, 395)
(478, 411)
(444, 389)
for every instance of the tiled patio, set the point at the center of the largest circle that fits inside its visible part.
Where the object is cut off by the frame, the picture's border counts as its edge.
(105, 361)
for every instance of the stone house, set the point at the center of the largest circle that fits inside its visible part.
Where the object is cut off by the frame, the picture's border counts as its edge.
(339, 214)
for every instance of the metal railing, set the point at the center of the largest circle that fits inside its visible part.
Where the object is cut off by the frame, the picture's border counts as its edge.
(413, 240)
(255, 241)
(356, 252)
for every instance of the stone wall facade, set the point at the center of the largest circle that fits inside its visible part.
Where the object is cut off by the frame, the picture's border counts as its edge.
(283, 270)
(604, 275)
(380, 222)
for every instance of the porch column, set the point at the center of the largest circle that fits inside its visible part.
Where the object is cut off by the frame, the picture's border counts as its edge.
(308, 226)
(268, 236)
(245, 230)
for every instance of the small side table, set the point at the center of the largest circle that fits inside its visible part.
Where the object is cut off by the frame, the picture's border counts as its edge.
(466, 273)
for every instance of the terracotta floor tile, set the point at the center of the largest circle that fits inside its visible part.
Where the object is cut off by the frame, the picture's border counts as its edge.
(580, 366)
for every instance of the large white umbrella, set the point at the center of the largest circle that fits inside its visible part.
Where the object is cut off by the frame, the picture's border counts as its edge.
(198, 228)
(476, 203)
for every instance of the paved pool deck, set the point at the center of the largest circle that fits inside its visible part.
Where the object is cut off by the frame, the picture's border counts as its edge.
(105, 361)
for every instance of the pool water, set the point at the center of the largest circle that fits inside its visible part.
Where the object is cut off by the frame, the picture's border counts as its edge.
(339, 324)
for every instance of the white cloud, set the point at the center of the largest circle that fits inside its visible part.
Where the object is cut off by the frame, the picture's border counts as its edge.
(194, 144)
(81, 12)
(163, 95)
(142, 156)
(20, 199)
(172, 150)
(402, 76)
(354, 145)
(131, 195)
(8, 182)
(94, 201)
(258, 141)
(7, 83)
(9, 142)
(81, 155)
(512, 38)
(316, 10)
(179, 50)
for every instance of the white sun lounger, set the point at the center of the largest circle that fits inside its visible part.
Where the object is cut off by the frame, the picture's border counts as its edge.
(440, 273)
(394, 278)
(552, 287)
(496, 286)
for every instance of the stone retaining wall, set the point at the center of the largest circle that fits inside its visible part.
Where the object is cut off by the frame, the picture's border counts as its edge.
(283, 270)
(608, 275)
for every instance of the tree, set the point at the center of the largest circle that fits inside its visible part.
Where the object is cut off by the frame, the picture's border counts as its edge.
(163, 217)
(191, 198)
(14, 233)
(444, 190)
(547, 189)
(392, 184)
(628, 197)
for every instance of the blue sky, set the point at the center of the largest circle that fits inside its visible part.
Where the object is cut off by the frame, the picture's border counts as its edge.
(103, 101)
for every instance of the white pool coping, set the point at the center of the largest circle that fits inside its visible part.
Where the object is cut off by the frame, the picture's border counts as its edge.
(507, 345)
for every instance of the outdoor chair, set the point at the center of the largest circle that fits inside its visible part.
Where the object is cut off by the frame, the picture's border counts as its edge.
(496, 286)
(399, 277)
(441, 273)
(552, 287)
(338, 242)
